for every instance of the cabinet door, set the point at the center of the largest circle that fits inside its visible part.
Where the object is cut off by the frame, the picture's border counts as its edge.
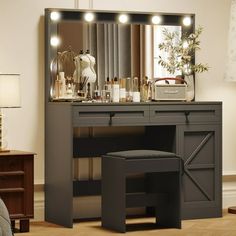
(200, 148)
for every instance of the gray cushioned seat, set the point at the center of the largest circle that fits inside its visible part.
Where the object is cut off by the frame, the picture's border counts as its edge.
(137, 154)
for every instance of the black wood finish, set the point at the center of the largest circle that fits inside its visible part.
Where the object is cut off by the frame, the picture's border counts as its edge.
(163, 190)
(93, 187)
(58, 164)
(198, 139)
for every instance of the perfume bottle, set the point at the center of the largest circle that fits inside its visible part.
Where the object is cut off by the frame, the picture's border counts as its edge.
(122, 91)
(129, 90)
(136, 92)
(62, 84)
(97, 94)
(144, 89)
(57, 88)
(115, 90)
(69, 90)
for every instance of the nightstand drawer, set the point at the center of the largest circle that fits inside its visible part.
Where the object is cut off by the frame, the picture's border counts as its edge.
(15, 202)
(13, 164)
(11, 181)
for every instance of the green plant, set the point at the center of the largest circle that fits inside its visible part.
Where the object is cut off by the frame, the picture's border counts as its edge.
(181, 52)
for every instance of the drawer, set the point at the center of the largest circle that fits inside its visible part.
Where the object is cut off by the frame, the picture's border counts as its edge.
(11, 181)
(15, 203)
(109, 115)
(186, 113)
(11, 164)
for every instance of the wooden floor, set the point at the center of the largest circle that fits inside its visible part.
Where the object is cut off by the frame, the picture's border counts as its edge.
(225, 226)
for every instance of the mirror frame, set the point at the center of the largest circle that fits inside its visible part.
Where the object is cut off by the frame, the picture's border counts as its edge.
(174, 19)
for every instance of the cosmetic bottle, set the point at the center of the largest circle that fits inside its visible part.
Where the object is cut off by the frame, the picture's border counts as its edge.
(129, 89)
(57, 88)
(97, 94)
(115, 90)
(108, 85)
(136, 92)
(144, 89)
(62, 84)
(122, 90)
(69, 90)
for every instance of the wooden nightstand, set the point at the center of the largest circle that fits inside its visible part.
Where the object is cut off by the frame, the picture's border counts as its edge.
(17, 186)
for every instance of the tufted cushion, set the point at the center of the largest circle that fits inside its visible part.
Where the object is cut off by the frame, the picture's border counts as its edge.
(138, 154)
(5, 223)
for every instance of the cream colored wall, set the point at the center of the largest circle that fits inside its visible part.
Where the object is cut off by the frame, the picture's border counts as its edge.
(22, 50)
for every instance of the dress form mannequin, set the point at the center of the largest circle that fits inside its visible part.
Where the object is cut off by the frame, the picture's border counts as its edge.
(84, 64)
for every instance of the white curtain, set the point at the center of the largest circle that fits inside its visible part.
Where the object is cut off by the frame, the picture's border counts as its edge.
(230, 73)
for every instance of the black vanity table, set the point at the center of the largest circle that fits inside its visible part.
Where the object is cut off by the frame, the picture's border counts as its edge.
(191, 129)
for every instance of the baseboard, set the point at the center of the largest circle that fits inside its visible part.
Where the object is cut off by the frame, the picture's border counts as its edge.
(229, 197)
(39, 204)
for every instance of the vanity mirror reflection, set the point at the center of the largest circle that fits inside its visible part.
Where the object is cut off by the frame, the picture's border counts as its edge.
(109, 44)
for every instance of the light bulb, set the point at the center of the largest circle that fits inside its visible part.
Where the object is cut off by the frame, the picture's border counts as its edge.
(156, 20)
(55, 16)
(187, 21)
(123, 18)
(89, 16)
(54, 41)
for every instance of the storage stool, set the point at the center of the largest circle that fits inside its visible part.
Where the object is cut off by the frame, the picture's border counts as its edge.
(162, 187)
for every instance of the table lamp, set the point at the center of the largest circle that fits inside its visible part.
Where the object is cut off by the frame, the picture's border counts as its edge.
(9, 98)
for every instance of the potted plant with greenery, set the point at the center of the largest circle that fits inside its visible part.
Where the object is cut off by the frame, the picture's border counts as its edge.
(180, 59)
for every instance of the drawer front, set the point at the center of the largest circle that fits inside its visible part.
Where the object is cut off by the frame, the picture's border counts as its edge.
(184, 114)
(11, 164)
(110, 115)
(14, 203)
(11, 181)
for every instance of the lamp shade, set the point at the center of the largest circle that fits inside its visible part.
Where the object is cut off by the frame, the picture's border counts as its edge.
(10, 90)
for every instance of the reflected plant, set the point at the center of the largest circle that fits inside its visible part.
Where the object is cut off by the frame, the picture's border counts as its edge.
(181, 52)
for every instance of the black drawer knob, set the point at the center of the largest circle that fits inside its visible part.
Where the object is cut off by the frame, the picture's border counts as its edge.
(186, 113)
(112, 114)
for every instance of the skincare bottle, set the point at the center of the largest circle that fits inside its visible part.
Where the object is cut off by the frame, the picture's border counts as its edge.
(63, 84)
(115, 90)
(97, 94)
(136, 92)
(122, 90)
(144, 89)
(129, 90)
(57, 88)
(69, 91)
(108, 85)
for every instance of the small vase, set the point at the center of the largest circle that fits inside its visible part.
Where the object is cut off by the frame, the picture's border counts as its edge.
(190, 87)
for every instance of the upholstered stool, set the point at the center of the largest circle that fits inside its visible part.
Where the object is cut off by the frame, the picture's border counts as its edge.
(162, 187)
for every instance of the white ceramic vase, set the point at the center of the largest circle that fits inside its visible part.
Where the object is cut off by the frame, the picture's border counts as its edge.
(190, 87)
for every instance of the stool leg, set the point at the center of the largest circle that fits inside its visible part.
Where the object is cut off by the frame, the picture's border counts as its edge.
(113, 194)
(168, 214)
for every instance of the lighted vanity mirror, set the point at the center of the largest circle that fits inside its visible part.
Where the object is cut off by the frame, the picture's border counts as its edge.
(121, 44)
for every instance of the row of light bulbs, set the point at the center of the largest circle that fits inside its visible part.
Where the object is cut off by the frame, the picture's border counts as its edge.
(122, 18)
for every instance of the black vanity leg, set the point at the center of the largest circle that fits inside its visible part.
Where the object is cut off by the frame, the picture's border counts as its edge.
(113, 194)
